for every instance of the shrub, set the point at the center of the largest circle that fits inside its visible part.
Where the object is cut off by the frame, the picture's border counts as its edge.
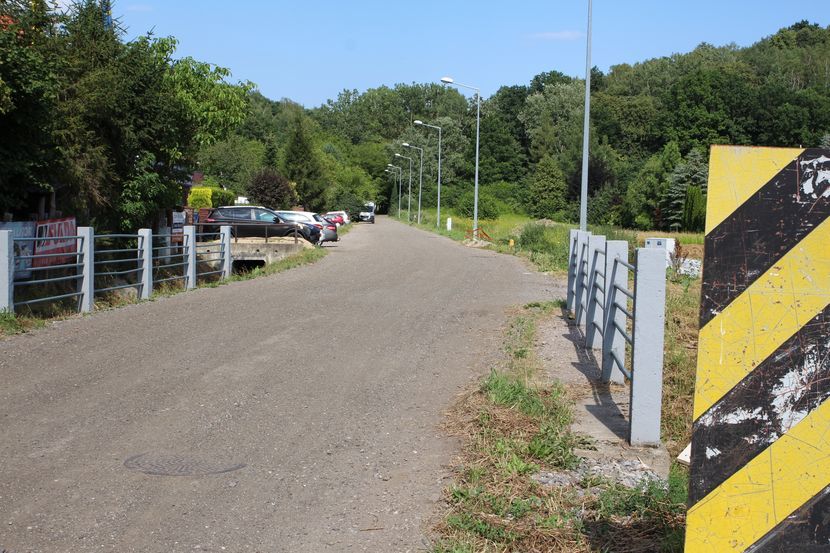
(200, 196)
(222, 197)
(488, 207)
(271, 189)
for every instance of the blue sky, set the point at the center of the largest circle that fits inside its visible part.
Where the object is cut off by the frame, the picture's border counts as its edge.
(309, 51)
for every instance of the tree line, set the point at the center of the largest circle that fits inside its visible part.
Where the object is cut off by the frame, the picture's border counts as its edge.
(119, 124)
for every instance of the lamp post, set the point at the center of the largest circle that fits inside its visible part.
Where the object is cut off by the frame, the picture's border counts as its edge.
(399, 174)
(449, 80)
(583, 193)
(420, 175)
(409, 201)
(421, 123)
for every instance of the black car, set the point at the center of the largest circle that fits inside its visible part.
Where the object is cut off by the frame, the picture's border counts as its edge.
(256, 222)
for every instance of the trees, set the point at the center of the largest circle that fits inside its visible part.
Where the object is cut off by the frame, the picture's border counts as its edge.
(301, 165)
(269, 188)
(548, 190)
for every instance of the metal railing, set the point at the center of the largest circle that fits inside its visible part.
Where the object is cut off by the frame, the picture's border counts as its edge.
(121, 261)
(622, 322)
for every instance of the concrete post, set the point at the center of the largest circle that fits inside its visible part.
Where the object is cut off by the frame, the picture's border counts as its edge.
(145, 255)
(581, 289)
(189, 244)
(595, 311)
(225, 240)
(87, 258)
(613, 340)
(572, 250)
(647, 351)
(6, 271)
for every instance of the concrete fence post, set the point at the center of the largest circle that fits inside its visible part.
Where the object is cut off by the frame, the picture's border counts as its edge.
(87, 259)
(581, 288)
(145, 256)
(647, 350)
(225, 245)
(613, 342)
(594, 312)
(6, 271)
(570, 305)
(189, 243)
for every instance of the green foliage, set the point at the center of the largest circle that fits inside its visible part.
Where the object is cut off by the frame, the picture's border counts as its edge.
(301, 165)
(694, 209)
(548, 190)
(232, 162)
(220, 197)
(270, 189)
(200, 196)
(488, 206)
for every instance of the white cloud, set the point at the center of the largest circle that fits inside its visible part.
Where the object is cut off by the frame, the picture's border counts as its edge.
(558, 35)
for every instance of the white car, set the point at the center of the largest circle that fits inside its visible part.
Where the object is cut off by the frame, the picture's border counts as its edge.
(328, 230)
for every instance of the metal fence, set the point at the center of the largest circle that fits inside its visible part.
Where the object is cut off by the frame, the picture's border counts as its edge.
(107, 263)
(605, 306)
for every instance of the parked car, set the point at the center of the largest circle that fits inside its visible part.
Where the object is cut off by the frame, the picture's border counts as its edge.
(256, 221)
(334, 218)
(329, 228)
(342, 214)
(367, 213)
(306, 217)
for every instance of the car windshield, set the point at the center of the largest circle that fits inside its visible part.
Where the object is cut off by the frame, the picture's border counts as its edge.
(368, 209)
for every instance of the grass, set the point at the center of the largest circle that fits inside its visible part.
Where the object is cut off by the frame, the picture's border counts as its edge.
(515, 424)
(18, 323)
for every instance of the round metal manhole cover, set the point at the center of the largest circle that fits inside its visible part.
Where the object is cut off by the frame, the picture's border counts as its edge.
(177, 465)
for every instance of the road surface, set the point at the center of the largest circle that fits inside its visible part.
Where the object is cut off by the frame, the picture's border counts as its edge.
(298, 412)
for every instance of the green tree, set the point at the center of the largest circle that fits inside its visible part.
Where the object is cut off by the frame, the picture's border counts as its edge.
(270, 189)
(693, 171)
(694, 209)
(301, 165)
(233, 162)
(547, 190)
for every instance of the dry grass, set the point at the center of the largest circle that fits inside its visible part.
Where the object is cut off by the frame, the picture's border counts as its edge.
(515, 425)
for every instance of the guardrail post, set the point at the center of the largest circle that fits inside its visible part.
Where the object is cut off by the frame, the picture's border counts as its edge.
(612, 340)
(225, 241)
(572, 250)
(189, 239)
(580, 288)
(145, 255)
(595, 309)
(6, 271)
(87, 281)
(647, 351)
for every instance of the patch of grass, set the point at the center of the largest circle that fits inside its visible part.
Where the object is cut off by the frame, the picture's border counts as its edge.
(680, 361)
(517, 424)
(17, 324)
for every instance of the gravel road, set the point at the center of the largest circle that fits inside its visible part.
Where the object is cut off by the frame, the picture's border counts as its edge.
(298, 412)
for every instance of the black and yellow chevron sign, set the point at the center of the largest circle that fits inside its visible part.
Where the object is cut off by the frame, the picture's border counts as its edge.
(760, 476)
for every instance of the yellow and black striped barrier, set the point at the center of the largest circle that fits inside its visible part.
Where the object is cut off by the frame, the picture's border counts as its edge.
(760, 475)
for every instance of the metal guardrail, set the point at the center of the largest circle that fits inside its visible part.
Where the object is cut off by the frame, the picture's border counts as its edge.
(117, 265)
(605, 308)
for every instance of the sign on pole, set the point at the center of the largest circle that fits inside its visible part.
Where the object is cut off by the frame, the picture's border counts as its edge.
(760, 475)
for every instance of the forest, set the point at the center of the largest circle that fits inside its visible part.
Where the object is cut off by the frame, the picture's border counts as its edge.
(116, 126)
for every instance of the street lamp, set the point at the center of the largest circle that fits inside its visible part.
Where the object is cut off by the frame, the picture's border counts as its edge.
(399, 174)
(409, 201)
(420, 175)
(583, 192)
(449, 80)
(421, 123)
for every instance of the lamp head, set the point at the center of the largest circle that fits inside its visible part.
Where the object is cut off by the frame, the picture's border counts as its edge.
(418, 122)
(405, 144)
(389, 165)
(398, 155)
(447, 80)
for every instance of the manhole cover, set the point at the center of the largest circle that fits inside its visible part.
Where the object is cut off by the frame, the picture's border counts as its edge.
(177, 465)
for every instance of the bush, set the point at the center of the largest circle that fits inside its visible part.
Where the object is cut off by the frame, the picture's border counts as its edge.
(222, 197)
(488, 206)
(271, 189)
(200, 196)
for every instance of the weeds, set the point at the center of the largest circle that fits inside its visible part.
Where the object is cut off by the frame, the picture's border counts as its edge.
(517, 424)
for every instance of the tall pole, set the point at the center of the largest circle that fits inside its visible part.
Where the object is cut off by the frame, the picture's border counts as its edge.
(420, 175)
(583, 197)
(409, 202)
(400, 184)
(438, 219)
(450, 80)
(475, 194)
